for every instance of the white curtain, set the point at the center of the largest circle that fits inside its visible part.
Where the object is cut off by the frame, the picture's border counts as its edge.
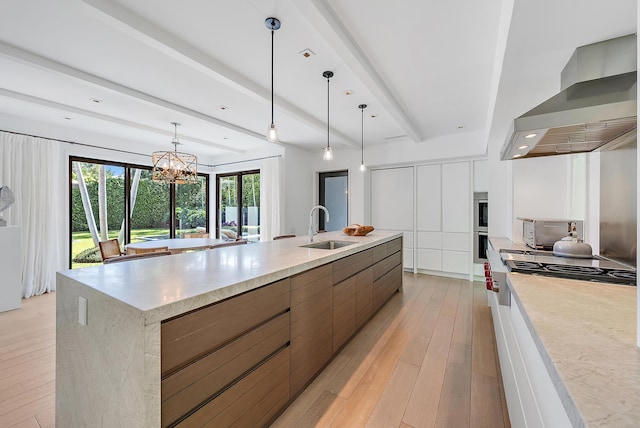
(271, 198)
(34, 169)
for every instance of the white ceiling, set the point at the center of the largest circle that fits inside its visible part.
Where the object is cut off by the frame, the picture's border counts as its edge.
(426, 69)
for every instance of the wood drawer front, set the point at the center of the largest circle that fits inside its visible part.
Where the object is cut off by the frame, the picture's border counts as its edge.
(394, 246)
(364, 296)
(384, 266)
(344, 312)
(187, 388)
(254, 401)
(308, 284)
(350, 265)
(379, 252)
(188, 337)
(385, 286)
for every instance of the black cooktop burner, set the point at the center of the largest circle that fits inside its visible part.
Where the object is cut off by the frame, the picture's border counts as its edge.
(585, 273)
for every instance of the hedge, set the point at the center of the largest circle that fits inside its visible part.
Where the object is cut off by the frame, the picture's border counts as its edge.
(151, 210)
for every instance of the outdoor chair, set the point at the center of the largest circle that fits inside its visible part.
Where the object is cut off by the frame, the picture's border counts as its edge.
(195, 235)
(109, 249)
(131, 251)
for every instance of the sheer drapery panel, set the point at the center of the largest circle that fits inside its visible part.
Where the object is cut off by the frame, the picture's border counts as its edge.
(34, 170)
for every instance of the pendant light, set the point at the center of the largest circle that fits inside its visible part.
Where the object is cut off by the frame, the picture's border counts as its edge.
(174, 166)
(363, 168)
(328, 154)
(272, 24)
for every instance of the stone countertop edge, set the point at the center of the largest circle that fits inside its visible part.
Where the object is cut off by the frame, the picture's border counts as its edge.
(160, 288)
(574, 382)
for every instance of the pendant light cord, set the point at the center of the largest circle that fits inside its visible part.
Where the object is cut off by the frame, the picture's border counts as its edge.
(328, 144)
(272, 36)
(362, 134)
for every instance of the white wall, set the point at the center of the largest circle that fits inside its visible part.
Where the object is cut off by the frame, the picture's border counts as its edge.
(299, 190)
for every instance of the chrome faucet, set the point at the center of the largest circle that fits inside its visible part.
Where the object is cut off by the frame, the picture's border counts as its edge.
(311, 219)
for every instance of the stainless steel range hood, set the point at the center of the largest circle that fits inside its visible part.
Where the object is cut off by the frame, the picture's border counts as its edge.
(596, 106)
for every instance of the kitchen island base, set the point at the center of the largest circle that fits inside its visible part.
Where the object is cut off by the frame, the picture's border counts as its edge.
(238, 360)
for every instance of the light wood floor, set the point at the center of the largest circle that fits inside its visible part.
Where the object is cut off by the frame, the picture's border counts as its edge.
(426, 359)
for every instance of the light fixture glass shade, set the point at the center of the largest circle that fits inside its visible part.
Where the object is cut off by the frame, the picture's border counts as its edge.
(272, 134)
(328, 153)
(363, 167)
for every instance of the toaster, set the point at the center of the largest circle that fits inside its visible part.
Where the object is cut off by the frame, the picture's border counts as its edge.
(542, 233)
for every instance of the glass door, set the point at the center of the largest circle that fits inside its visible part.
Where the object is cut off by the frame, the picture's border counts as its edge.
(334, 195)
(97, 209)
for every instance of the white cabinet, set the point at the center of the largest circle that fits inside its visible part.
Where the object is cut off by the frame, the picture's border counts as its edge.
(532, 398)
(481, 176)
(429, 198)
(392, 205)
(10, 268)
(456, 197)
(443, 195)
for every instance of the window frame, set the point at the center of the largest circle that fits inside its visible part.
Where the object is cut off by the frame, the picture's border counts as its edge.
(239, 175)
(127, 198)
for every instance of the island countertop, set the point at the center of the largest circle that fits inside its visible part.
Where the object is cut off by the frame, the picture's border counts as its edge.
(586, 335)
(164, 287)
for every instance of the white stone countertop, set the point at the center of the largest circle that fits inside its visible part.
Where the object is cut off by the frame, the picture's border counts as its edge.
(586, 335)
(163, 287)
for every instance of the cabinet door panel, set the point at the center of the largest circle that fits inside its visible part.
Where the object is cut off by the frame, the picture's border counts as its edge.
(364, 296)
(429, 259)
(344, 312)
(455, 241)
(456, 197)
(432, 240)
(456, 261)
(429, 197)
(311, 324)
(392, 198)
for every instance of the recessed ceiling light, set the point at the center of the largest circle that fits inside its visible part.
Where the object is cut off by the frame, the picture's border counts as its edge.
(349, 92)
(306, 53)
(95, 100)
(66, 118)
(530, 135)
(223, 107)
(517, 156)
(522, 147)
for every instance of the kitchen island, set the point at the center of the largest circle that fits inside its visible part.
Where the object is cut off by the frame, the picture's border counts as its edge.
(217, 336)
(578, 352)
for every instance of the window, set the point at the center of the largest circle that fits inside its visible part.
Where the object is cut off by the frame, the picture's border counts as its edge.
(114, 200)
(238, 206)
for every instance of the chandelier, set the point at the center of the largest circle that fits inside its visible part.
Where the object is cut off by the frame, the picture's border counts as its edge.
(174, 166)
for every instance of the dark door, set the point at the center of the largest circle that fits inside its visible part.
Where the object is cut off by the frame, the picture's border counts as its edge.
(334, 195)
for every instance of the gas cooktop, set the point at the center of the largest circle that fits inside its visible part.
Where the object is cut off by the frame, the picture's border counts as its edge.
(544, 263)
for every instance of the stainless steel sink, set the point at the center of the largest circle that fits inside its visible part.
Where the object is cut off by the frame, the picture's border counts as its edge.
(327, 245)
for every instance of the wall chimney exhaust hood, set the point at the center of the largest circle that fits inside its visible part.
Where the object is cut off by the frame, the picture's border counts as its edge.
(596, 106)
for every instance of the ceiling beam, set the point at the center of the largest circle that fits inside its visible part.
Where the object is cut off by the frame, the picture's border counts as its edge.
(171, 45)
(64, 107)
(325, 20)
(32, 59)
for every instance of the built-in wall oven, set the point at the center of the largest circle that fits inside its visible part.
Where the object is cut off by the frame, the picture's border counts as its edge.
(480, 226)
